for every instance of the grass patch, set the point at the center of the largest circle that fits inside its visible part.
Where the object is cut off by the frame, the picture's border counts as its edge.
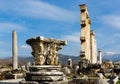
(118, 82)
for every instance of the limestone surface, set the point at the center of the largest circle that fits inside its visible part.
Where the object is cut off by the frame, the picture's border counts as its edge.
(45, 50)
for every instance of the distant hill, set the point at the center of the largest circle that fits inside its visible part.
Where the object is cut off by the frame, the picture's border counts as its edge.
(62, 59)
(112, 57)
(23, 59)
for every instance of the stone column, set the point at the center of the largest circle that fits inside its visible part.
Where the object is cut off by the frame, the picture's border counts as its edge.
(70, 63)
(85, 33)
(14, 50)
(93, 47)
(99, 56)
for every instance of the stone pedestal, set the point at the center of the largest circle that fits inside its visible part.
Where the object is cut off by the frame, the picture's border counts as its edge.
(44, 74)
(46, 69)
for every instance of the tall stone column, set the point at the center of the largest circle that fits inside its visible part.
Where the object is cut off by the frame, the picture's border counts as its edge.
(14, 50)
(85, 33)
(93, 47)
(99, 56)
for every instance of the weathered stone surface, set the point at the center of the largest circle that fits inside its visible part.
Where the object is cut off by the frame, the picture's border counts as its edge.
(54, 82)
(28, 82)
(83, 81)
(44, 73)
(66, 70)
(87, 37)
(85, 33)
(101, 81)
(108, 65)
(70, 63)
(42, 67)
(45, 68)
(11, 81)
(14, 50)
(99, 56)
(100, 75)
(113, 80)
(45, 50)
(93, 47)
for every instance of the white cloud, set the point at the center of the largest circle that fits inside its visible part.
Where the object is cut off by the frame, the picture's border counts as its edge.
(38, 9)
(74, 37)
(4, 27)
(112, 20)
(110, 53)
(26, 47)
(73, 47)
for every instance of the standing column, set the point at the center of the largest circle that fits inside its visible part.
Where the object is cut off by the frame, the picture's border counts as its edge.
(14, 50)
(93, 47)
(85, 33)
(99, 56)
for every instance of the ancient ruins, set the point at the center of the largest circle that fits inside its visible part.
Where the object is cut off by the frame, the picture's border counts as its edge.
(99, 56)
(87, 37)
(45, 68)
(91, 69)
(45, 51)
(14, 50)
(70, 63)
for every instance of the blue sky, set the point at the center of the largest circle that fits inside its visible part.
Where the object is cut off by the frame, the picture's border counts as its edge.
(58, 19)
